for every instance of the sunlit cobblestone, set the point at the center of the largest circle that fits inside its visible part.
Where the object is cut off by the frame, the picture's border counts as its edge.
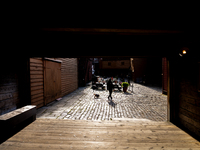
(143, 102)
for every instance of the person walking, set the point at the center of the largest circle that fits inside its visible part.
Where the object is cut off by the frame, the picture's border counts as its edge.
(110, 87)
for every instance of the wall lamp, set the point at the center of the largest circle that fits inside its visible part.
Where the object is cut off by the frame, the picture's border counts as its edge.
(183, 51)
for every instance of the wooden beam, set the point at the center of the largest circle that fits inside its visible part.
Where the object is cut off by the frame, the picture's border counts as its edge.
(119, 31)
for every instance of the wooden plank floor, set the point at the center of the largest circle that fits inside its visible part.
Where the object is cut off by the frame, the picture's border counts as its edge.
(116, 134)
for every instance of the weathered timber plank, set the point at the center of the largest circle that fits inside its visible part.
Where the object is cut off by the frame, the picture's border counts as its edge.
(67, 134)
(35, 60)
(36, 76)
(37, 95)
(99, 145)
(190, 127)
(36, 92)
(37, 83)
(192, 108)
(109, 123)
(98, 138)
(36, 87)
(37, 72)
(32, 68)
(37, 99)
(8, 88)
(189, 114)
(38, 103)
(36, 65)
(189, 120)
(36, 80)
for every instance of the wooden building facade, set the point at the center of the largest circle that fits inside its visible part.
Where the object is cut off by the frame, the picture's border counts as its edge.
(115, 67)
(147, 70)
(51, 79)
(141, 41)
(183, 93)
(35, 81)
(84, 70)
(14, 82)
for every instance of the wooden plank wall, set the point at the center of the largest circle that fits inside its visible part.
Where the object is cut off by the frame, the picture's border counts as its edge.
(69, 75)
(117, 64)
(37, 82)
(69, 78)
(139, 68)
(188, 114)
(9, 86)
(9, 93)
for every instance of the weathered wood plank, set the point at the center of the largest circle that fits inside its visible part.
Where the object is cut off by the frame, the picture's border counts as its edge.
(189, 107)
(37, 92)
(69, 75)
(36, 76)
(36, 65)
(37, 99)
(35, 60)
(79, 134)
(36, 80)
(39, 83)
(36, 87)
(99, 145)
(36, 68)
(37, 95)
(36, 72)
(38, 103)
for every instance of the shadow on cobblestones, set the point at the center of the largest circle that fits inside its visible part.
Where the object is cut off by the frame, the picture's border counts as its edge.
(112, 103)
(127, 93)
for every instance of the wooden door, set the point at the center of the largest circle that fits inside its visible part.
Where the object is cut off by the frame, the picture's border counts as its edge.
(52, 80)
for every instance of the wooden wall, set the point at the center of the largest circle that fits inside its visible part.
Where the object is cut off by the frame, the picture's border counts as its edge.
(189, 98)
(37, 82)
(14, 83)
(117, 64)
(148, 69)
(140, 65)
(185, 99)
(69, 75)
(69, 78)
(9, 90)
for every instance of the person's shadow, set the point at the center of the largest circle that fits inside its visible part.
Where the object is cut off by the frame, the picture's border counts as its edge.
(110, 102)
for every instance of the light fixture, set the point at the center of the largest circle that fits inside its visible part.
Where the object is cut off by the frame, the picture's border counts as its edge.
(184, 52)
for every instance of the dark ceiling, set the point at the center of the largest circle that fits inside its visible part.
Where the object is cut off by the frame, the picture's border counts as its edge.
(29, 36)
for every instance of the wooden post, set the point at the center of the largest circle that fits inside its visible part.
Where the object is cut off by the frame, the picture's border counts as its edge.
(168, 91)
(172, 101)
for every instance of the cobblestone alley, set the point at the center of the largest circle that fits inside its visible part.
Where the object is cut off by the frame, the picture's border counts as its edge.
(144, 102)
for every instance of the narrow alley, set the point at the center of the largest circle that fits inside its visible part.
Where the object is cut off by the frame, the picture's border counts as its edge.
(139, 102)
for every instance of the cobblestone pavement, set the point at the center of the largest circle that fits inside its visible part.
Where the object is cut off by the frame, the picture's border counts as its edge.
(144, 102)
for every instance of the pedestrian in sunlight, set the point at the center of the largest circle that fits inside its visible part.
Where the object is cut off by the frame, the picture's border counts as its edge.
(110, 87)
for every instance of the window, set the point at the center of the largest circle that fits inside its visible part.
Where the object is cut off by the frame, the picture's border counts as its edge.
(122, 63)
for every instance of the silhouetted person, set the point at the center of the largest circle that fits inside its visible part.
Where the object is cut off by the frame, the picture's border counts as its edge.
(110, 87)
